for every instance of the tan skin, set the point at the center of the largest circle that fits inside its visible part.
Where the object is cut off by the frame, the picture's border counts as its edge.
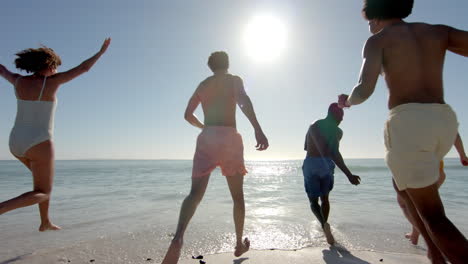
(39, 159)
(220, 108)
(414, 235)
(412, 58)
(221, 95)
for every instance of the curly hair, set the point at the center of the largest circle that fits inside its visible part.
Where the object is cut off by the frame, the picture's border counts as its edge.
(387, 9)
(34, 60)
(218, 60)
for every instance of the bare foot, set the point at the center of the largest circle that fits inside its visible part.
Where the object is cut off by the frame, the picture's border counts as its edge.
(173, 252)
(49, 226)
(413, 237)
(328, 234)
(242, 248)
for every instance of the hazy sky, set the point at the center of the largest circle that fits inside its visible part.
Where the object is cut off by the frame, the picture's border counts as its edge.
(131, 104)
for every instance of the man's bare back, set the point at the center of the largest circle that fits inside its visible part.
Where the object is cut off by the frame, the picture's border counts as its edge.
(413, 59)
(322, 139)
(411, 56)
(219, 95)
(421, 127)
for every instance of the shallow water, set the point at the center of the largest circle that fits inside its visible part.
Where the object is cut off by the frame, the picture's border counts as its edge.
(123, 209)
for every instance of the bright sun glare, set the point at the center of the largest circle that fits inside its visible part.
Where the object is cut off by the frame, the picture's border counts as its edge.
(265, 38)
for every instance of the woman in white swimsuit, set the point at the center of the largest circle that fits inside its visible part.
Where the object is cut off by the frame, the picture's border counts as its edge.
(32, 135)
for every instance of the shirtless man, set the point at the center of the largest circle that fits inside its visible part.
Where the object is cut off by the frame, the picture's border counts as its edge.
(322, 145)
(421, 128)
(218, 144)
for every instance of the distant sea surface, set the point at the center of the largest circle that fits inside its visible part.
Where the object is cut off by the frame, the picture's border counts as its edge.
(122, 209)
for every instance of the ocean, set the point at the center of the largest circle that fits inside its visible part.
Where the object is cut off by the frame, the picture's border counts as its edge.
(126, 211)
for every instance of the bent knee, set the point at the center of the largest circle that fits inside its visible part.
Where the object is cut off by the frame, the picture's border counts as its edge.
(43, 191)
(237, 197)
(41, 196)
(314, 203)
(238, 201)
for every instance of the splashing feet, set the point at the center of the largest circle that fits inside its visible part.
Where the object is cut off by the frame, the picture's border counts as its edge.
(413, 237)
(173, 252)
(48, 226)
(328, 234)
(242, 248)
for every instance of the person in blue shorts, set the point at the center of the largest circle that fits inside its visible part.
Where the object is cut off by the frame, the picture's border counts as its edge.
(322, 146)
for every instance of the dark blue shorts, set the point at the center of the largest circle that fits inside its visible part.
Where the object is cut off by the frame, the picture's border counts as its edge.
(318, 176)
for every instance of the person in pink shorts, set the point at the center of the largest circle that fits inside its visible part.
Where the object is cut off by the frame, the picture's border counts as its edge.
(219, 144)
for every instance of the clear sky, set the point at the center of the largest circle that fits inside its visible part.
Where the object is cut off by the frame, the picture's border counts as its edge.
(131, 104)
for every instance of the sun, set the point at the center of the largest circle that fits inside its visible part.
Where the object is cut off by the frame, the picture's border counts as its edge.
(265, 38)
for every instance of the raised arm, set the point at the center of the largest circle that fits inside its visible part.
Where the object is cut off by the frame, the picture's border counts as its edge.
(458, 41)
(461, 150)
(370, 70)
(245, 104)
(85, 66)
(189, 111)
(9, 76)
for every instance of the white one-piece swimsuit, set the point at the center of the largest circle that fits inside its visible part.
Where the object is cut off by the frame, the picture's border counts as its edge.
(34, 123)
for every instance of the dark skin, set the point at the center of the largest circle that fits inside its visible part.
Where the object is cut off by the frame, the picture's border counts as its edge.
(322, 140)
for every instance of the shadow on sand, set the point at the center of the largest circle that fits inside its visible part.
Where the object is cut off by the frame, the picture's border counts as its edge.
(340, 255)
(12, 260)
(236, 261)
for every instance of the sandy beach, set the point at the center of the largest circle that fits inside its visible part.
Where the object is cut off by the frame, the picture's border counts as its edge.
(332, 255)
(316, 255)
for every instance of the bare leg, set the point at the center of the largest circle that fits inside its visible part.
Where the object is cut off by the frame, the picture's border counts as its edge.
(433, 251)
(189, 206)
(414, 235)
(236, 184)
(326, 225)
(40, 160)
(316, 209)
(322, 212)
(442, 231)
(325, 207)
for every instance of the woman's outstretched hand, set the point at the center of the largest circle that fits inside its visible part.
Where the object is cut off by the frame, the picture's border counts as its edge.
(105, 45)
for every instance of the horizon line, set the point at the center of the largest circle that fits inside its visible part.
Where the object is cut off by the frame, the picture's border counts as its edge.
(168, 159)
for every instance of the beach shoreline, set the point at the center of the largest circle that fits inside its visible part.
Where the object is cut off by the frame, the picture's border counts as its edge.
(328, 255)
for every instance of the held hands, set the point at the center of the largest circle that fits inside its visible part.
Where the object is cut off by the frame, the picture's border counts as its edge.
(262, 141)
(343, 101)
(354, 179)
(2, 69)
(105, 45)
(464, 161)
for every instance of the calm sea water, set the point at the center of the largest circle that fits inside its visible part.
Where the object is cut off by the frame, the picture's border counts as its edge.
(123, 209)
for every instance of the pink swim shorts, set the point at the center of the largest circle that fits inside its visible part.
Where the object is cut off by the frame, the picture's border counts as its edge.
(219, 146)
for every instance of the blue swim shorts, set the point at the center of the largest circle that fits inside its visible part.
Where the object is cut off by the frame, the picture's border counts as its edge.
(318, 176)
